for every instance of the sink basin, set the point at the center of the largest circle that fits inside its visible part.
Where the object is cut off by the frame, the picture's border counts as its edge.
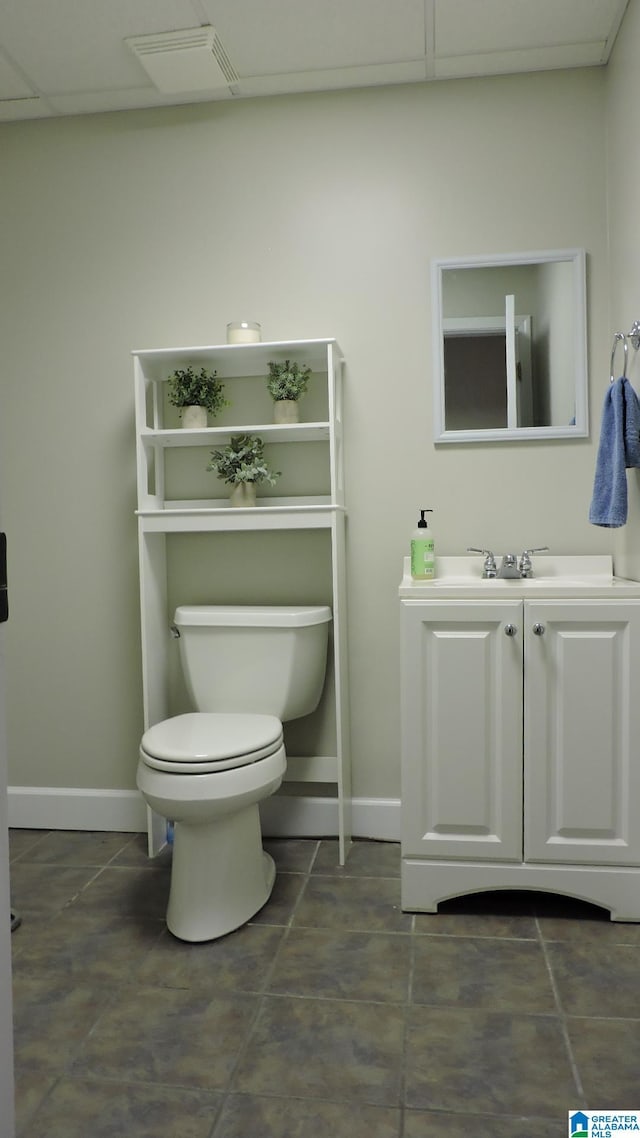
(542, 582)
(562, 576)
(584, 582)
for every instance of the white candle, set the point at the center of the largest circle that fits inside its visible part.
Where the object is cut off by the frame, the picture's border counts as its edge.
(243, 332)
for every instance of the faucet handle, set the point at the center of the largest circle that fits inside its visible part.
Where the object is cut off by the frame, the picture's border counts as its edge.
(524, 564)
(489, 569)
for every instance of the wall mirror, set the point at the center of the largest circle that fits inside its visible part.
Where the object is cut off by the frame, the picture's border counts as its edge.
(509, 335)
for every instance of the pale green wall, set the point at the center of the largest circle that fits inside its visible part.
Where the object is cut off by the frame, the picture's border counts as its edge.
(623, 169)
(318, 216)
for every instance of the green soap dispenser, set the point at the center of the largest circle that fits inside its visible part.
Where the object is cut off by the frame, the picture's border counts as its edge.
(423, 564)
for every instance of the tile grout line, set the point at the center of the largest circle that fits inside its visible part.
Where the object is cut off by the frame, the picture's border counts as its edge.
(405, 1036)
(264, 993)
(125, 846)
(561, 1016)
(23, 854)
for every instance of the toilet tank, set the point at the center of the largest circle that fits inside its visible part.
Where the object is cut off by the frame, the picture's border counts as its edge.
(265, 659)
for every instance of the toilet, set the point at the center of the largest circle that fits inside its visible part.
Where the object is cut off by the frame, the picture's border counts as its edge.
(247, 670)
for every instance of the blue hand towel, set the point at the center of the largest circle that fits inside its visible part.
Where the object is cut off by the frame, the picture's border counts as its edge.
(619, 448)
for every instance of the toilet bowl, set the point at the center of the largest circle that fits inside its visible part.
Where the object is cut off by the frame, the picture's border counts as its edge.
(208, 770)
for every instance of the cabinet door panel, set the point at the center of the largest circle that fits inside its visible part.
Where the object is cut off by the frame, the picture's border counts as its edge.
(462, 730)
(582, 725)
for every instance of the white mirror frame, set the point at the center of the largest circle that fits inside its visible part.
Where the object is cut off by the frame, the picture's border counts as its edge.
(578, 429)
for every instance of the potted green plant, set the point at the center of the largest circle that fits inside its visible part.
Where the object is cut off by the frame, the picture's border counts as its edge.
(242, 464)
(196, 394)
(286, 384)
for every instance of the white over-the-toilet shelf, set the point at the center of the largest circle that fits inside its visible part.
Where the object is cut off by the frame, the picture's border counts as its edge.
(243, 368)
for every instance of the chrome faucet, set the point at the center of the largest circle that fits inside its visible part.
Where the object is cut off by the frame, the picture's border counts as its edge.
(511, 567)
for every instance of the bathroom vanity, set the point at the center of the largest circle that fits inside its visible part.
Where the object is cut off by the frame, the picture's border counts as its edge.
(521, 733)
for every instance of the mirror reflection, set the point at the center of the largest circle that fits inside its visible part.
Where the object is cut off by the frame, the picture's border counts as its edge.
(510, 357)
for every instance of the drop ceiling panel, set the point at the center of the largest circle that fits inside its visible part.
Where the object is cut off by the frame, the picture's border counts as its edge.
(335, 79)
(12, 84)
(12, 110)
(70, 56)
(512, 62)
(77, 45)
(138, 98)
(466, 26)
(285, 36)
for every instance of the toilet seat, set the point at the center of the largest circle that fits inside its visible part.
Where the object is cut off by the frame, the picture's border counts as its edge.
(205, 742)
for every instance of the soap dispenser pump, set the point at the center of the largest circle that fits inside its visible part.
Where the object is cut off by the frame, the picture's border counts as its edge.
(423, 565)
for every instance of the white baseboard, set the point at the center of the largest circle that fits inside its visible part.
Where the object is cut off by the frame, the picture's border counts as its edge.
(283, 816)
(286, 816)
(76, 808)
(376, 818)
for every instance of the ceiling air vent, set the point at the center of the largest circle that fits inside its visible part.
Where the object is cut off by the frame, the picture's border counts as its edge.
(188, 60)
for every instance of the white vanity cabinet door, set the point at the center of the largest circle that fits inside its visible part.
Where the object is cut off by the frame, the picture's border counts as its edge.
(462, 729)
(582, 732)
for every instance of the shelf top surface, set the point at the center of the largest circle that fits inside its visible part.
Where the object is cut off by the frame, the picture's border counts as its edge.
(261, 345)
(237, 360)
(221, 507)
(204, 436)
(199, 518)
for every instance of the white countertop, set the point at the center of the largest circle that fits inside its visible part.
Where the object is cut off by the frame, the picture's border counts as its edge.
(553, 576)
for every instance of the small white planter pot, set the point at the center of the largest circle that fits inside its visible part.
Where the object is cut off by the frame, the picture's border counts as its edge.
(243, 494)
(286, 411)
(194, 417)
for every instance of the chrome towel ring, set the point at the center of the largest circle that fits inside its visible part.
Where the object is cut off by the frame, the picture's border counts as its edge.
(619, 336)
(634, 336)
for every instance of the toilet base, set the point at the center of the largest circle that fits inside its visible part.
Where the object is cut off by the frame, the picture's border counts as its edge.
(220, 876)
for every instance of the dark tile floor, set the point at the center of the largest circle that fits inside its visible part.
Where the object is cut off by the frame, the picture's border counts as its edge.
(333, 1014)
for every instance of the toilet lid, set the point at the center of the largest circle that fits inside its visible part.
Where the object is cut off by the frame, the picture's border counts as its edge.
(210, 740)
